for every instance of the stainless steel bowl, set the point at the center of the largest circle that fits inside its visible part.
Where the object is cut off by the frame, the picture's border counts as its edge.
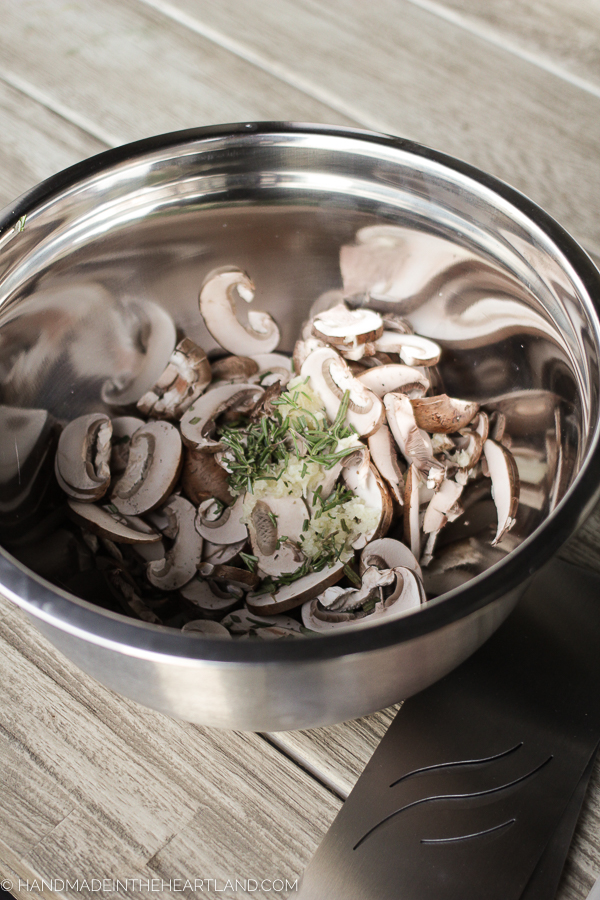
(91, 255)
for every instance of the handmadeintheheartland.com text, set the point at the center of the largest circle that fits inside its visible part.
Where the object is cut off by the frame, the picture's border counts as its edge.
(140, 886)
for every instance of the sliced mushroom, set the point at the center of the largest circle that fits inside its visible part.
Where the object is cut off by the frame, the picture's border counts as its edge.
(505, 485)
(218, 554)
(272, 367)
(202, 477)
(205, 628)
(296, 593)
(413, 349)
(217, 306)
(181, 562)
(124, 427)
(275, 526)
(383, 380)
(197, 424)
(387, 553)
(230, 576)
(153, 467)
(414, 443)
(106, 522)
(349, 327)
(373, 492)
(330, 377)
(187, 374)
(82, 457)
(243, 625)
(234, 369)
(439, 508)
(210, 597)
(443, 414)
(303, 349)
(412, 506)
(124, 589)
(382, 448)
(221, 526)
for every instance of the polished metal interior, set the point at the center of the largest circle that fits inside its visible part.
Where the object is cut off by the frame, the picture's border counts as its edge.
(97, 260)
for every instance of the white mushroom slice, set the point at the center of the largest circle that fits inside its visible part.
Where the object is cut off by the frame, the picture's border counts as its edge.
(272, 367)
(383, 380)
(153, 467)
(124, 427)
(505, 485)
(108, 523)
(331, 377)
(243, 625)
(440, 505)
(340, 325)
(443, 414)
(202, 477)
(296, 593)
(183, 380)
(82, 457)
(413, 349)
(198, 422)
(206, 628)
(413, 442)
(388, 553)
(468, 447)
(210, 598)
(160, 336)
(384, 455)
(412, 504)
(218, 554)
(275, 526)
(481, 425)
(221, 526)
(303, 349)
(230, 576)
(150, 552)
(217, 306)
(234, 369)
(180, 564)
(373, 492)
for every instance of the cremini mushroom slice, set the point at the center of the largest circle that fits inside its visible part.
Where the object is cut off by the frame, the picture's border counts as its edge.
(295, 594)
(217, 306)
(243, 625)
(414, 443)
(233, 369)
(187, 374)
(275, 526)
(388, 553)
(374, 494)
(123, 429)
(210, 597)
(443, 414)
(229, 576)
(124, 589)
(197, 424)
(202, 477)
(384, 380)
(440, 506)
(221, 553)
(82, 457)
(303, 349)
(221, 526)
(413, 349)
(412, 508)
(382, 448)
(153, 467)
(347, 327)
(272, 367)
(331, 377)
(106, 522)
(505, 485)
(206, 629)
(181, 562)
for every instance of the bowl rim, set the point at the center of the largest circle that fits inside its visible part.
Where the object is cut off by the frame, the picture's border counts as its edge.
(68, 613)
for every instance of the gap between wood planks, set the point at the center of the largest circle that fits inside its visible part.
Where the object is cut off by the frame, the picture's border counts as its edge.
(299, 760)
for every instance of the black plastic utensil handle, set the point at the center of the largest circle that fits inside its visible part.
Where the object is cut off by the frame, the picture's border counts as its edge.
(482, 773)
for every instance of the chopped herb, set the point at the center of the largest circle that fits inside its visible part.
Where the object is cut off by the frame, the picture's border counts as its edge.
(352, 576)
(250, 560)
(195, 420)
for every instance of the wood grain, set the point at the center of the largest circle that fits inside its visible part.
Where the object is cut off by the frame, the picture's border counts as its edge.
(409, 72)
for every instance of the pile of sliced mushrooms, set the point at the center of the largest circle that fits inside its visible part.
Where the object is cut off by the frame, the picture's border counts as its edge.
(270, 497)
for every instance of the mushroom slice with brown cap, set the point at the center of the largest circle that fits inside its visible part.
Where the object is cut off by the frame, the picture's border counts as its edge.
(153, 467)
(217, 306)
(347, 327)
(295, 594)
(197, 424)
(373, 492)
(185, 377)
(233, 369)
(385, 458)
(412, 506)
(383, 380)
(331, 377)
(106, 522)
(275, 526)
(443, 414)
(218, 554)
(303, 349)
(203, 478)
(181, 562)
(229, 576)
(413, 349)
(221, 526)
(210, 598)
(243, 625)
(124, 427)
(439, 508)
(82, 457)
(505, 485)
(206, 628)
(413, 442)
(272, 367)
(388, 553)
